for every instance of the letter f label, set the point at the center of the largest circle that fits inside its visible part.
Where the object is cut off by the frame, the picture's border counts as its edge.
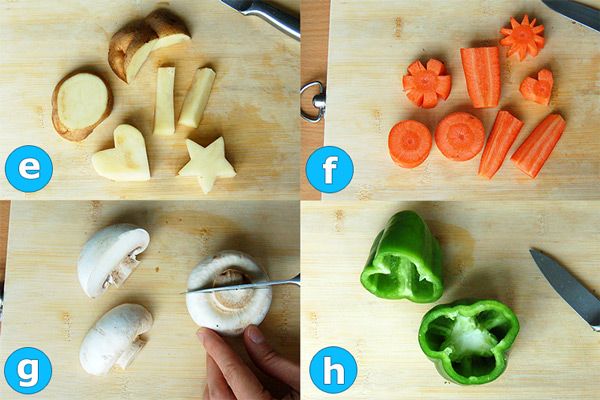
(329, 166)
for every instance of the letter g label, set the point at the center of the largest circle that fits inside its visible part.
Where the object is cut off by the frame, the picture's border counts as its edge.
(28, 370)
(28, 379)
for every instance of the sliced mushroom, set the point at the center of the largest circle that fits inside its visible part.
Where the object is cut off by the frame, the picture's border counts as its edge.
(109, 257)
(228, 312)
(114, 340)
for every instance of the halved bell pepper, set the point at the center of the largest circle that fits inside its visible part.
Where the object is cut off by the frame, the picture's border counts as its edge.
(405, 261)
(468, 340)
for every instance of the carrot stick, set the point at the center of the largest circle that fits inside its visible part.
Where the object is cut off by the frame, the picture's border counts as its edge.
(482, 73)
(424, 86)
(540, 89)
(460, 136)
(409, 143)
(505, 131)
(531, 156)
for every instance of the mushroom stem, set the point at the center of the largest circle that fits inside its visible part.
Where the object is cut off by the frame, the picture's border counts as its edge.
(130, 353)
(123, 270)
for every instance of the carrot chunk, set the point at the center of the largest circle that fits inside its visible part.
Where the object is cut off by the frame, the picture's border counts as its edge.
(425, 86)
(460, 136)
(409, 143)
(482, 73)
(531, 156)
(505, 131)
(540, 89)
(523, 38)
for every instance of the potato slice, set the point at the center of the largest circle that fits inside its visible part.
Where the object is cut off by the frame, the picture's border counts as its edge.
(164, 111)
(80, 102)
(197, 97)
(131, 46)
(128, 160)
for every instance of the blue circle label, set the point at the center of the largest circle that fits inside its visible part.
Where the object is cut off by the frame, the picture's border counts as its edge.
(329, 169)
(333, 370)
(28, 169)
(28, 370)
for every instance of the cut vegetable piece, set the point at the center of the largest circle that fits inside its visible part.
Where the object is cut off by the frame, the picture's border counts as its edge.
(128, 160)
(131, 46)
(164, 113)
(505, 131)
(531, 156)
(482, 73)
(409, 143)
(460, 136)
(207, 163)
(523, 38)
(424, 86)
(80, 102)
(197, 97)
(540, 89)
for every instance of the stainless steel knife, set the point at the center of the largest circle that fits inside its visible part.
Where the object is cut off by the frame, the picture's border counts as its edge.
(577, 12)
(571, 290)
(285, 22)
(255, 285)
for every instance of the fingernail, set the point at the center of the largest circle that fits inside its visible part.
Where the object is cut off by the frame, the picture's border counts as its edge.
(255, 335)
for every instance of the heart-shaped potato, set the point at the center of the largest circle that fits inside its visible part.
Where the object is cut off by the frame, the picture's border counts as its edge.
(128, 160)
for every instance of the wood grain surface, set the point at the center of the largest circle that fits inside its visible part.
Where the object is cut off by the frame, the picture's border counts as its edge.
(4, 217)
(313, 67)
(372, 42)
(46, 308)
(254, 103)
(485, 247)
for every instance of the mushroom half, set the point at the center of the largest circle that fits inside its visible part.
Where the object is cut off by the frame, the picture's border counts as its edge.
(109, 257)
(114, 340)
(228, 312)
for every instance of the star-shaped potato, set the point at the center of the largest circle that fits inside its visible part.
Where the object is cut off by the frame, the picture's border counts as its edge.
(207, 163)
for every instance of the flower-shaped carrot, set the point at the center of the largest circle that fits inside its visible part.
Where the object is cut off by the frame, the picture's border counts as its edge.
(523, 38)
(424, 86)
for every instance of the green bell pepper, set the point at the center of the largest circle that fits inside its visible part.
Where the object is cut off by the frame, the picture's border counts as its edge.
(405, 261)
(468, 340)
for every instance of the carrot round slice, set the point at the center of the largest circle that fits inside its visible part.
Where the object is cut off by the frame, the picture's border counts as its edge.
(505, 131)
(409, 143)
(540, 89)
(531, 156)
(523, 38)
(424, 86)
(482, 73)
(460, 136)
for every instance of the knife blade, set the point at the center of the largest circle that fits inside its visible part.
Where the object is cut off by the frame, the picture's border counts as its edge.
(285, 22)
(569, 288)
(585, 15)
(255, 285)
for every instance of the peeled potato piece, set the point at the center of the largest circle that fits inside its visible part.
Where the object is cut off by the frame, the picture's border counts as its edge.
(128, 161)
(80, 102)
(164, 111)
(197, 97)
(131, 46)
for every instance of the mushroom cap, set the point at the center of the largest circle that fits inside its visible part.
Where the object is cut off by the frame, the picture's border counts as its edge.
(104, 253)
(228, 312)
(112, 336)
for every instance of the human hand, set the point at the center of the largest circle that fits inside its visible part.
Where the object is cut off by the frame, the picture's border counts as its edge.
(229, 378)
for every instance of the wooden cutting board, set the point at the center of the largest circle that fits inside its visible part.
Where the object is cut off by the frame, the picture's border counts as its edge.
(556, 354)
(372, 42)
(46, 308)
(254, 102)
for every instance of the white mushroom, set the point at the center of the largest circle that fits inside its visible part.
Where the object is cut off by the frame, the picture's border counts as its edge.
(109, 257)
(228, 312)
(114, 339)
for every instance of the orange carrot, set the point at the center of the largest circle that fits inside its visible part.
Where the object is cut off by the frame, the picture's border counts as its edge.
(482, 73)
(540, 89)
(409, 143)
(460, 136)
(535, 150)
(523, 38)
(505, 131)
(424, 86)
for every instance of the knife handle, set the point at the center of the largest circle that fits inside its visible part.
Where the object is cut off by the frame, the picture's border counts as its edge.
(285, 22)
